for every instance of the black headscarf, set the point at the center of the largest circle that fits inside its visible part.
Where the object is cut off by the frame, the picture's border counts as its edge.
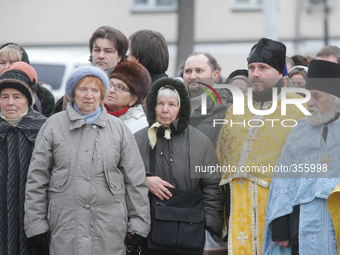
(24, 53)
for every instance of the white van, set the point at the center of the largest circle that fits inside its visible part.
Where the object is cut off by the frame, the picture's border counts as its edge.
(54, 64)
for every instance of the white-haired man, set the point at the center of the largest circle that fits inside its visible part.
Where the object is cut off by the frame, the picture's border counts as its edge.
(297, 217)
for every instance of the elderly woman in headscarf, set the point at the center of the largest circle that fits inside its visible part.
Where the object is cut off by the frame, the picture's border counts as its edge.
(129, 84)
(19, 126)
(44, 99)
(179, 150)
(86, 185)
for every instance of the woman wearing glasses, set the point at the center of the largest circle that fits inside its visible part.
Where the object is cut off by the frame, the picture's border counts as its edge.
(129, 84)
(86, 187)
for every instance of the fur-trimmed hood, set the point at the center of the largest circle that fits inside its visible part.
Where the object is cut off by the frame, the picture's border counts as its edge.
(184, 111)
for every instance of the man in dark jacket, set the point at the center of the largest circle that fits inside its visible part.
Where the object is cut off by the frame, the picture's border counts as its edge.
(201, 70)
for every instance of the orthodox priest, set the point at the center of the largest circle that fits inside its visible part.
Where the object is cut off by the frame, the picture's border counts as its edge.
(297, 216)
(19, 126)
(251, 142)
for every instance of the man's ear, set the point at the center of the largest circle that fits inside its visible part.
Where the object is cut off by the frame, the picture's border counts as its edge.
(216, 76)
(119, 59)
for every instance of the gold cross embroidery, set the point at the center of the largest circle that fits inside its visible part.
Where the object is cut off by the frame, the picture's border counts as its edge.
(325, 159)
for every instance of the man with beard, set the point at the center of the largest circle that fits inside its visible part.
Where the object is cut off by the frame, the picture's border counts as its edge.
(297, 216)
(202, 71)
(250, 140)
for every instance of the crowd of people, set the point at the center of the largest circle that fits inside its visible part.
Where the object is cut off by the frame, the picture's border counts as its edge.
(78, 175)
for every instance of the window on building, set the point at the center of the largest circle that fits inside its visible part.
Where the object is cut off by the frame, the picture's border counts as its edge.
(246, 5)
(153, 5)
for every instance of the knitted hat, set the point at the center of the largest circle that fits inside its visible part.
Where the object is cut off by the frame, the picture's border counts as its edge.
(20, 76)
(270, 52)
(324, 76)
(136, 77)
(241, 77)
(81, 72)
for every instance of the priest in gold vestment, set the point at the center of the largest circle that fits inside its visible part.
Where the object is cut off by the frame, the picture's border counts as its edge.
(251, 143)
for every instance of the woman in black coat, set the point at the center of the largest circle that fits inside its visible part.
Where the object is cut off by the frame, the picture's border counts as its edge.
(182, 153)
(19, 126)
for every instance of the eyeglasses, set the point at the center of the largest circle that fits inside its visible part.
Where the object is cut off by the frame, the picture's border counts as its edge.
(119, 87)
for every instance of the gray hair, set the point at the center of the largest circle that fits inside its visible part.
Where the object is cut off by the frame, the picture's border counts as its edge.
(167, 93)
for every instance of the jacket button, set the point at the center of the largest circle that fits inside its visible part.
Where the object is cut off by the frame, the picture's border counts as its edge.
(94, 126)
(87, 207)
(88, 179)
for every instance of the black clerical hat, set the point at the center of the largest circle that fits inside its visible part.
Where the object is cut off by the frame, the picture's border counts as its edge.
(270, 52)
(324, 76)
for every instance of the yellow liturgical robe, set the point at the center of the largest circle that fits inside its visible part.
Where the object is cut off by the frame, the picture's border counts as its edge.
(333, 204)
(248, 148)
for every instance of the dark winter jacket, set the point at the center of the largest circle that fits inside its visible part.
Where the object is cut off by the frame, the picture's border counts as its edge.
(187, 151)
(157, 76)
(16, 148)
(205, 123)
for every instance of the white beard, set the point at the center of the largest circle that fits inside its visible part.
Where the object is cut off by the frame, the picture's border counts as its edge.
(317, 118)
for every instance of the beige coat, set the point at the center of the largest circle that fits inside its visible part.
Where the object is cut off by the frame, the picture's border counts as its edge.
(86, 185)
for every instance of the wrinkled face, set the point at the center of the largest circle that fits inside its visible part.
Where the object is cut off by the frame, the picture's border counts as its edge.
(262, 77)
(321, 106)
(197, 69)
(319, 100)
(166, 110)
(104, 54)
(118, 97)
(87, 96)
(4, 63)
(298, 80)
(12, 103)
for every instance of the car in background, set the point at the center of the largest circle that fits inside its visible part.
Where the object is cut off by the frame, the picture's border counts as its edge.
(54, 64)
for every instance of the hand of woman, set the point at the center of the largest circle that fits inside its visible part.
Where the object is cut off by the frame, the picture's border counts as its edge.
(158, 187)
